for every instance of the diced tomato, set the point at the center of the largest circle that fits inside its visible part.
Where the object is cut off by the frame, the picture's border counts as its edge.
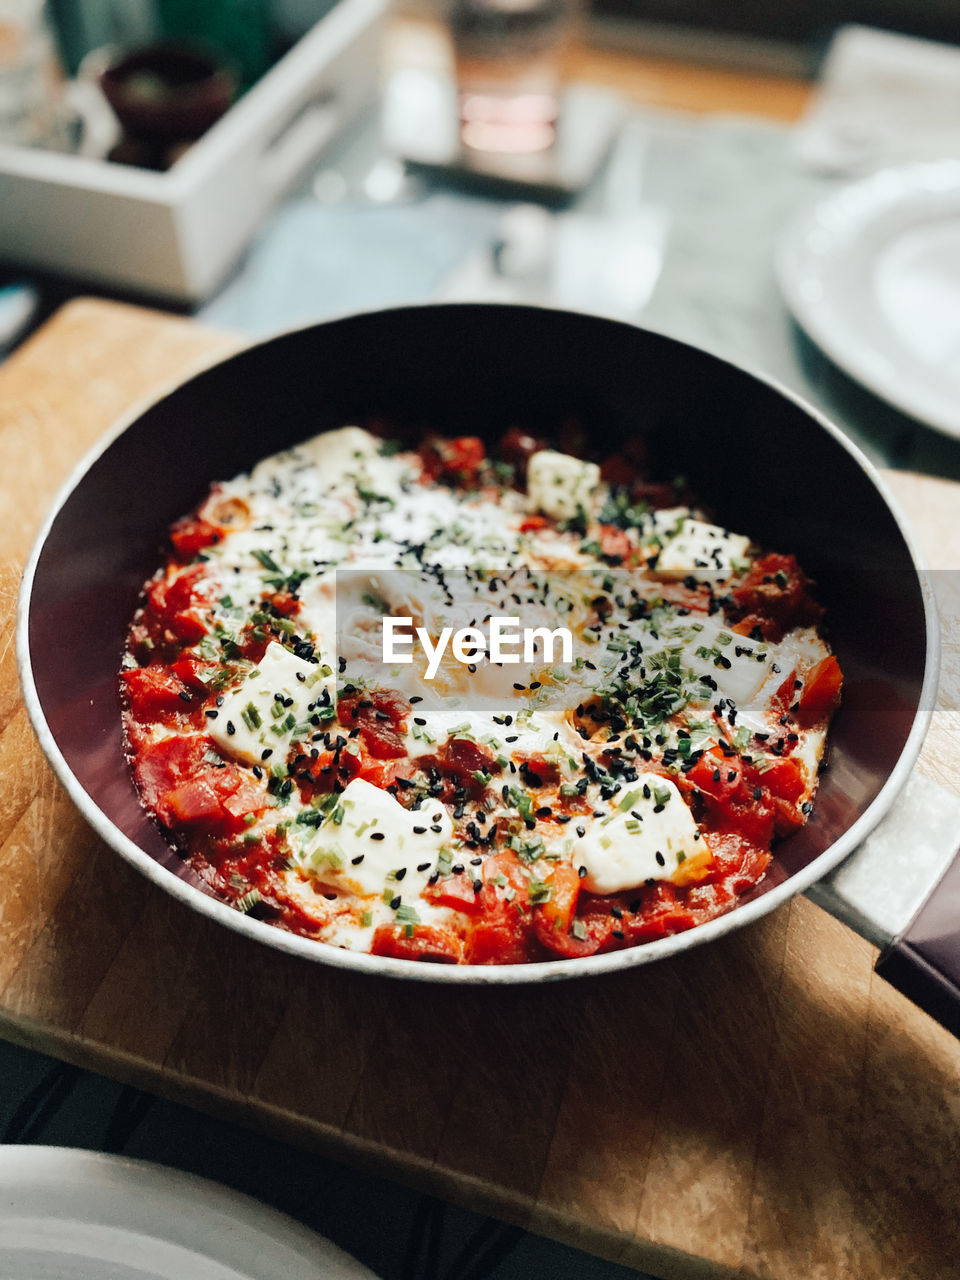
(217, 799)
(285, 603)
(728, 789)
(776, 592)
(380, 773)
(154, 694)
(754, 818)
(717, 776)
(330, 768)
(594, 921)
(383, 742)
(783, 784)
(381, 717)
(246, 799)
(163, 765)
(455, 461)
(193, 802)
(458, 761)
(656, 911)
(452, 891)
(753, 623)
(783, 699)
(416, 942)
(784, 780)
(183, 786)
(740, 862)
(499, 934)
(195, 673)
(191, 535)
(555, 916)
(517, 447)
(820, 695)
(252, 642)
(189, 625)
(538, 771)
(176, 591)
(614, 543)
(464, 758)
(532, 524)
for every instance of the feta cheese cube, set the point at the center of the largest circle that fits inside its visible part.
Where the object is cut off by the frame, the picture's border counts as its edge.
(559, 485)
(693, 548)
(263, 712)
(650, 835)
(370, 843)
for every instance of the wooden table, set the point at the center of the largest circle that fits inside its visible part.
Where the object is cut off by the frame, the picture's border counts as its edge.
(644, 79)
(764, 1107)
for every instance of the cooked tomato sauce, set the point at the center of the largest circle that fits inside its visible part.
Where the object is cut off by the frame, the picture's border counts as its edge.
(497, 902)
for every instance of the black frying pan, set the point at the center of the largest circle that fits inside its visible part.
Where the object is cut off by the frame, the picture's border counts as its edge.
(763, 462)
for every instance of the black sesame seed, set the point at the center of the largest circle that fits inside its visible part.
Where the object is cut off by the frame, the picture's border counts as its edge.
(377, 835)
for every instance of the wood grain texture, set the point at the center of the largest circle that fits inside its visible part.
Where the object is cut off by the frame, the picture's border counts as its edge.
(762, 1108)
(643, 79)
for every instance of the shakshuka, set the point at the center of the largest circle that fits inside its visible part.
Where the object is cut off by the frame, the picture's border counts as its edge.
(513, 805)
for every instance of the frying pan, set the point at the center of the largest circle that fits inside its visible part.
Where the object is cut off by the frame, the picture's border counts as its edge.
(763, 461)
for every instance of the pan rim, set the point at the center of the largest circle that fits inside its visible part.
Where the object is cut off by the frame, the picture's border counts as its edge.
(514, 974)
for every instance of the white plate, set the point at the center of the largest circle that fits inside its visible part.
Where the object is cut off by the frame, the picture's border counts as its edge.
(872, 273)
(84, 1215)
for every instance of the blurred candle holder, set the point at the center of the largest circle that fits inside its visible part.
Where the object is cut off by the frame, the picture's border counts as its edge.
(510, 60)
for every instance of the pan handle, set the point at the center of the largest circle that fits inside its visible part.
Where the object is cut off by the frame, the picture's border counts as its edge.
(924, 962)
(901, 891)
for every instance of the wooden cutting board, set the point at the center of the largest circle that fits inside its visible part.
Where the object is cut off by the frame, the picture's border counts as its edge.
(763, 1107)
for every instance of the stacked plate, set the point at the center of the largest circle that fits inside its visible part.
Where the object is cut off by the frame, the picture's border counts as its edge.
(83, 1215)
(872, 274)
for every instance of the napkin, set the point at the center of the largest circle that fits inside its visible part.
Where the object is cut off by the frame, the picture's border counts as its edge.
(883, 99)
